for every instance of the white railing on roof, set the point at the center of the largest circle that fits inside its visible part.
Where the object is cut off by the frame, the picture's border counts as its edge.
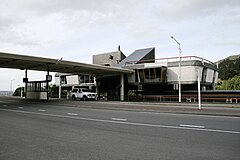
(164, 61)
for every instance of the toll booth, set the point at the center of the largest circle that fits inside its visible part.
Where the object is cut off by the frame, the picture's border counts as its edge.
(38, 89)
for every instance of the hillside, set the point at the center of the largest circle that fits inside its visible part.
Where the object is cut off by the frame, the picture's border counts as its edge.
(229, 67)
(233, 57)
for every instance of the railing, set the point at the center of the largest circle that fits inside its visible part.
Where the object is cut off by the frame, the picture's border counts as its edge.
(171, 59)
(188, 99)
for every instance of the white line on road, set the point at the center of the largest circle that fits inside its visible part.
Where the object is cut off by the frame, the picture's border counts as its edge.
(126, 123)
(42, 110)
(119, 119)
(20, 107)
(72, 114)
(191, 126)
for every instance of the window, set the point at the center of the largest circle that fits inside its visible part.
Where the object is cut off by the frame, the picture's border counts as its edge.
(158, 74)
(74, 90)
(63, 80)
(37, 86)
(81, 79)
(86, 79)
(91, 79)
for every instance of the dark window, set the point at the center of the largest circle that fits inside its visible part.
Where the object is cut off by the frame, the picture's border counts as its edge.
(81, 79)
(86, 78)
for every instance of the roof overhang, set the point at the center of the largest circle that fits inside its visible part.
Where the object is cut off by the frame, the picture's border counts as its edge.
(16, 61)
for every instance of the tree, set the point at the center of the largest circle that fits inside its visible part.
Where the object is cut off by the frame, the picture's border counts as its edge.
(53, 90)
(230, 84)
(229, 68)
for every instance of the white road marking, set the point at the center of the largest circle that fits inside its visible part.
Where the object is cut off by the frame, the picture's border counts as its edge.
(189, 115)
(126, 123)
(20, 107)
(72, 114)
(42, 110)
(119, 119)
(191, 126)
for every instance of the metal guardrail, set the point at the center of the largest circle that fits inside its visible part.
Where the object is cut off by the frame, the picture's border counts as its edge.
(169, 98)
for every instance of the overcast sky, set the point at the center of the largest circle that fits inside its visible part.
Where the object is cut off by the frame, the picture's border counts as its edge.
(77, 29)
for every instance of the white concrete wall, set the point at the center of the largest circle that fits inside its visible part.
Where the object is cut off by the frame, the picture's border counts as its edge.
(57, 81)
(72, 80)
(103, 59)
(188, 74)
(36, 95)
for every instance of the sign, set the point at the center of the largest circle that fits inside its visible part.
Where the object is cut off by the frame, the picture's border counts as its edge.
(48, 78)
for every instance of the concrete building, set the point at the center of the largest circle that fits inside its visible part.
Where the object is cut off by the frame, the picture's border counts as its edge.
(108, 59)
(157, 76)
(150, 76)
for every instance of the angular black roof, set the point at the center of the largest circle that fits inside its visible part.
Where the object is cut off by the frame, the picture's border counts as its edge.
(138, 55)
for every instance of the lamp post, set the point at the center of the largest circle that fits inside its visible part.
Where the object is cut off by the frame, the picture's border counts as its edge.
(60, 87)
(199, 90)
(179, 71)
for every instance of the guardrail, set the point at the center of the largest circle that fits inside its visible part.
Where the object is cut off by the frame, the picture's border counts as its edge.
(189, 99)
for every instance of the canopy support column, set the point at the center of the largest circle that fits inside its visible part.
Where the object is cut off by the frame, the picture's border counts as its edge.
(47, 82)
(59, 88)
(122, 88)
(26, 80)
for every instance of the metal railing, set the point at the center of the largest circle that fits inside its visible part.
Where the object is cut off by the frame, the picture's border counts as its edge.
(171, 59)
(174, 98)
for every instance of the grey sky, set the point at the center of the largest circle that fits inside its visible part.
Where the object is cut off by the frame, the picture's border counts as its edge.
(77, 29)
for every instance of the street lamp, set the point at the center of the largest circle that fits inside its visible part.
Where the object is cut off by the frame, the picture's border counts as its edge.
(60, 87)
(199, 90)
(179, 73)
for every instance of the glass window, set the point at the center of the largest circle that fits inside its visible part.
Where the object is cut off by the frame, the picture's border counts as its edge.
(85, 90)
(146, 74)
(91, 79)
(63, 80)
(81, 79)
(86, 78)
(158, 74)
(152, 73)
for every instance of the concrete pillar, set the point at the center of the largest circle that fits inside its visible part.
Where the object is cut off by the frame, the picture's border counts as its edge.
(26, 83)
(60, 89)
(122, 87)
(97, 89)
(47, 82)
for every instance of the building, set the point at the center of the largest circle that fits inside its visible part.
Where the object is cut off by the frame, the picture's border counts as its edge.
(151, 76)
(157, 76)
(68, 82)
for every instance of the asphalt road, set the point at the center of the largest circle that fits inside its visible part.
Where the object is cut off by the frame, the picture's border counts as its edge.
(38, 131)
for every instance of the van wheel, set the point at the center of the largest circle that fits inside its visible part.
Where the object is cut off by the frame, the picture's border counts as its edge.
(84, 98)
(73, 97)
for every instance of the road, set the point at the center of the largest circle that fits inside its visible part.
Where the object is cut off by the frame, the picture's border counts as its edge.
(39, 131)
